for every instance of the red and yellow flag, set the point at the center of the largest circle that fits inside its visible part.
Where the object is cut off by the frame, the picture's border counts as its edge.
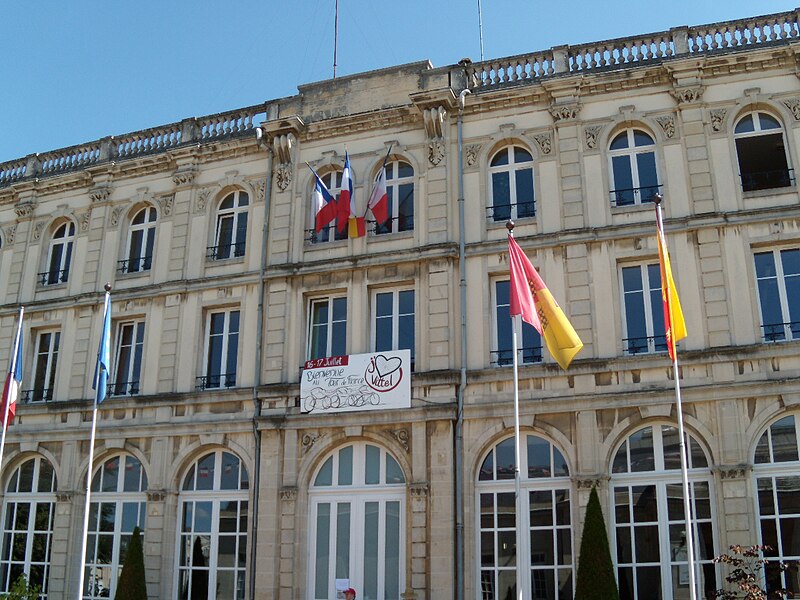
(674, 324)
(530, 298)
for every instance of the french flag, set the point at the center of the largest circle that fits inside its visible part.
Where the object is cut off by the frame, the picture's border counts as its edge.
(324, 204)
(379, 200)
(347, 206)
(13, 379)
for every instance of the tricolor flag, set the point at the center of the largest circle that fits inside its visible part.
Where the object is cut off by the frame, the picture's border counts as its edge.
(103, 366)
(674, 325)
(14, 378)
(530, 298)
(324, 204)
(379, 200)
(346, 205)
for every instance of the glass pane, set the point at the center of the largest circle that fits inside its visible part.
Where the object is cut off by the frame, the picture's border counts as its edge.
(620, 141)
(394, 474)
(521, 155)
(644, 504)
(646, 538)
(745, 125)
(538, 457)
(345, 476)
(504, 451)
(371, 550)
(322, 556)
(404, 169)
(623, 180)
(229, 477)
(342, 540)
(133, 475)
(372, 473)
(768, 122)
(648, 178)
(640, 138)
(325, 475)
(501, 158)
(392, 558)
(205, 472)
(523, 179)
(501, 196)
(487, 468)
(506, 510)
(641, 450)
(784, 440)
(766, 503)
(541, 508)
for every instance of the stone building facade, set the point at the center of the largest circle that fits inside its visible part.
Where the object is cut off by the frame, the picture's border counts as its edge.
(204, 230)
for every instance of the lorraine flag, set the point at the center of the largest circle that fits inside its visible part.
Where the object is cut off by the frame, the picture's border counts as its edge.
(530, 298)
(674, 325)
(14, 378)
(324, 204)
(346, 205)
(378, 201)
(103, 367)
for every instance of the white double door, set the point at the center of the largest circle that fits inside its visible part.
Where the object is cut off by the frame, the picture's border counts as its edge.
(358, 537)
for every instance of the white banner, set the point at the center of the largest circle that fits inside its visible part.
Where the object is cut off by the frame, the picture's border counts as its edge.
(357, 382)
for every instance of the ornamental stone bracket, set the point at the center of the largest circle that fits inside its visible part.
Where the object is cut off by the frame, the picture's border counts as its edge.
(183, 178)
(309, 439)
(25, 208)
(419, 490)
(165, 202)
(283, 149)
(544, 141)
(279, 137)
(100, 194)
(687, 94)
(203, 196)
(288, 493)
(562, 113)
(793, 104)
(588, 482)
(64, 497)
(156, 495)
(667, 124)
(717, 118)
(740, 471)
(590, 135)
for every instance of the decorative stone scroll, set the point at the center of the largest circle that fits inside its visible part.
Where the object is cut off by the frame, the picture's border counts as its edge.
(309, 439)
(687, 95)
(565, 112)
(402, 437)
(259, 186)
(667, 123)
(471, 154)
(545, 142)
(590, 135)
(165, 204)
(793, 104)
(718, 119)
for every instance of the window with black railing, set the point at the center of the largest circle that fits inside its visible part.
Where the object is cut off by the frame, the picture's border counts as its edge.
(134, 265)
(210, 382)
(59, 255)
(511, 184)
(761, 152)
(53, 277)
(778, 286)
(778, 332)
(525, 356)
(631, 196)
(643, 312)
(500, 213)
(634, 176)
(225, 251)
(528, 339)
(37, 395)
(123, 388)
(645, 345)
(400, 194)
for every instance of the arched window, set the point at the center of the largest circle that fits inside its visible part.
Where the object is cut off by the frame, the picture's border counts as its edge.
(28, 513)
(332, 180)
(59, 255)
(511, 184)
(400, 191)
(760, 148)
(212, 546)
(545, 517)
(357, 524)
(634, 177)
(141, 238)
(230, 235)
(648, 523)
(777, 473)
(118, 506)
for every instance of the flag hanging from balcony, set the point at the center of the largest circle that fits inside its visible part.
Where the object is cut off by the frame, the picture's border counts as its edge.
(530, 298)
(14, 377)
(346, 207)
(379, 200)
(324, 204)
(674, 325)
(103, 366)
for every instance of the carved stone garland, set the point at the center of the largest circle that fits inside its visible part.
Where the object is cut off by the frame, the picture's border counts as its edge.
(718, 119)
(793, 104)
(667, 123)
(471, 154)
(590, 135)
(545, 142)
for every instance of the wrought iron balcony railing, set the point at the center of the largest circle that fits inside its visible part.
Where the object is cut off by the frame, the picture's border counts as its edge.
(53, 277)
(767, 180)
(631, 196)
(505, 358)
(644, 345)
(503, 212)
(123, 388)
(225, 251)
(37, 395)
(212, 382)
(778, 332)
(134, 265)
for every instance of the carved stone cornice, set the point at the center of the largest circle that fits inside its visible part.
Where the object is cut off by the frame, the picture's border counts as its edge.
(288, 493)
(471, 153)
(565, 112)
(793, 104)
(292, 124)
(590, 135)
(544, 141)
(309, 439)
(718, 119)
(688, 94)
(667, 123)
(740, 471)
(165, 204)
(25, 208)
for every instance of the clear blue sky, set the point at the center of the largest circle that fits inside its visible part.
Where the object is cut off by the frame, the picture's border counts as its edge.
(79, 70)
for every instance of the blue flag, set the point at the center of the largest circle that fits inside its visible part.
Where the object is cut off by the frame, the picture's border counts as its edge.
(103, 367)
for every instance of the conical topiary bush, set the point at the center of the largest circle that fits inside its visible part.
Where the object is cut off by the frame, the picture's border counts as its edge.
(595, 570)
(131, 584)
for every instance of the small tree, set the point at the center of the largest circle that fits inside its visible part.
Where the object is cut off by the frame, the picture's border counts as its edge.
(746, 572)
(22, 590)
(131, 584)
(595, 569)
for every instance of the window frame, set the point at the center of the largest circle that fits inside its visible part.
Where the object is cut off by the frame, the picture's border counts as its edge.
(131, 387)
(654, 342)
(332, 180)
(395, 317)
(61, 240)
(632, 152)
(789, 330)
(45, 394)
(329, 325)
(138, 260)
(760, 131)
(205, 382)
(236, 248)
(394, 182)
(511, 167)
(503, 357)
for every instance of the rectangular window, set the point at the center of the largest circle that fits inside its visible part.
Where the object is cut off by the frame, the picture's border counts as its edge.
(44, 368)
(327, 328)
(529, 342)
(222, 348)
(778, 280)
(128, 359)
(643, 313)
(394, 321)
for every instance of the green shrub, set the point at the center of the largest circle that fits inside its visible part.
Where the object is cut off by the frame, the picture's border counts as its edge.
(131, 584)
(22, 590)
(595, 569)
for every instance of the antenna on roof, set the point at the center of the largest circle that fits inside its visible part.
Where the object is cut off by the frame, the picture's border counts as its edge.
(480, 29)
(336, 36)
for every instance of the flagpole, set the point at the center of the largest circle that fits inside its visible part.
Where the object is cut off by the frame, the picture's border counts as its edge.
(687, 503)
(13, 374)
(516, 321)
(84, 542)
(335, 36)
